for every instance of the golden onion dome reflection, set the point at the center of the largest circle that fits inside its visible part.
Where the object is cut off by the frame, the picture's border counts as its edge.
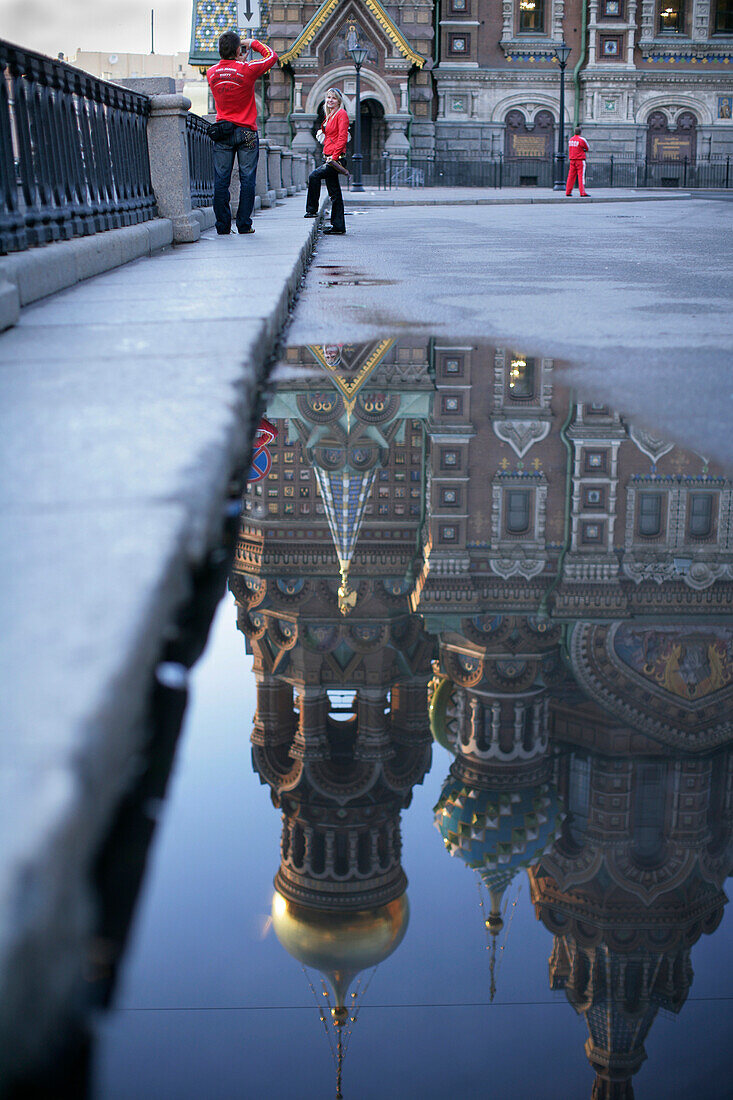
(339, 944)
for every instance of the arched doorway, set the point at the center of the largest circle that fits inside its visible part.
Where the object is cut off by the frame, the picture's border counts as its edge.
(676, 145)
(373, 135)
(528, 149)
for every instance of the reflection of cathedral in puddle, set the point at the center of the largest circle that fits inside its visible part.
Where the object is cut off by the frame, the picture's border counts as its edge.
(498, 810)
(632, 884)
(341, 730)
(572, 581)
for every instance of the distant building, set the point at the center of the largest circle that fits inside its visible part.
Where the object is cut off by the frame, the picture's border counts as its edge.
(136, 66)
(648, 79)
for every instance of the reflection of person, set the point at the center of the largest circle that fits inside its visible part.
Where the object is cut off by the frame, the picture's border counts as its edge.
(232, 82)
(577, 150)
(332, 354)
(335, 135)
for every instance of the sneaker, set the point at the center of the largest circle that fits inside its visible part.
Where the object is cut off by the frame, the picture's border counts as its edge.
(223, 232)
(332, 230)
(307, 215)
(243, 232)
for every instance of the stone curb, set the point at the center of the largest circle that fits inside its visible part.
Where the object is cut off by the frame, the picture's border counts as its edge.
(564, 200)
(56, 807)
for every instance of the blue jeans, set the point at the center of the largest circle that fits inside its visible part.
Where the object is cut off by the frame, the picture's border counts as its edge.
(224, 152)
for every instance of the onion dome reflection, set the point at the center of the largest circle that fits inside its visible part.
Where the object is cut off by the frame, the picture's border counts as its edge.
(341, 735)
(499, 810)
(629, 888)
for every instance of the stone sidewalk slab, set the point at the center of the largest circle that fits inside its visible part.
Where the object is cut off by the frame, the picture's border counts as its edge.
(126, 402)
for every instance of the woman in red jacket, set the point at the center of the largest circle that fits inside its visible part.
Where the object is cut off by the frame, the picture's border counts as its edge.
(335, 134)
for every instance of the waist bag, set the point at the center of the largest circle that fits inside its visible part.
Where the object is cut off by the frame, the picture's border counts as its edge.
(224, 131)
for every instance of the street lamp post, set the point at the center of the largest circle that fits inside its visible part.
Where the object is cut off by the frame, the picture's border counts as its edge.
(562, 53)
(358, 56)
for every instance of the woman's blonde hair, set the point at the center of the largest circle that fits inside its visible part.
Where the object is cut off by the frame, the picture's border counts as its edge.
(338, 94)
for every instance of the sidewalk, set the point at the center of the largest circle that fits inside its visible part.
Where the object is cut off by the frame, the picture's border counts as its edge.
(125, 403)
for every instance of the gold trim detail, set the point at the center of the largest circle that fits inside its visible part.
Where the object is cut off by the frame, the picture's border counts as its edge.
(308, 33)
(394, 34)
(349, 389)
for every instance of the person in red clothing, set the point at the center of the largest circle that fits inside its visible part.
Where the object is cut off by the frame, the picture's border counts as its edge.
(232, 82)
(334, 135)
(577, 150)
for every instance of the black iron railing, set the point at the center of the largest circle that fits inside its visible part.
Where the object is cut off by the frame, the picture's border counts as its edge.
(200, 161)
(617, 170)
(73, 152)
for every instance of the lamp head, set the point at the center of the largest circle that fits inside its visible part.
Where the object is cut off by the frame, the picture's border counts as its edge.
(562, 53)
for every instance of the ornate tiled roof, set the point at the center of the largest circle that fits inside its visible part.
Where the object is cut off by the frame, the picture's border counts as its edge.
(327, 9)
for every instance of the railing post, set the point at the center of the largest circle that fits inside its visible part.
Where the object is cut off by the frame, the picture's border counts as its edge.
(169, 171)
(610, 184)
(684, 173)
(727, 170)
(501, 170)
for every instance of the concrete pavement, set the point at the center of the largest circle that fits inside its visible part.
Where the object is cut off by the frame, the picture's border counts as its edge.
(125, 404)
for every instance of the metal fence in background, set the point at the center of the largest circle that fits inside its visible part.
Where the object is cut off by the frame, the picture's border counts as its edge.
(200, 161)
(73, 152)
(617, 170)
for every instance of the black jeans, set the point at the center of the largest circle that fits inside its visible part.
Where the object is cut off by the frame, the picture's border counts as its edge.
(331, 176)
(224, 153)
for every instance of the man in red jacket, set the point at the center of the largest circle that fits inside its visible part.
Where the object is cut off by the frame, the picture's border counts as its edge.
(577, 150)
(232, 82)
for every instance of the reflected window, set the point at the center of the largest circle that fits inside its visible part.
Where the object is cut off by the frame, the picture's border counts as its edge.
(650, 514)
(671, 17)
(649, 791)
(700, 511)
(578, 797)
(531, 15)
(521, 378)
(517, 511)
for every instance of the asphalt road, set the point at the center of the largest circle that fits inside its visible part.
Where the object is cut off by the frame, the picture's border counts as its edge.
(635, 297)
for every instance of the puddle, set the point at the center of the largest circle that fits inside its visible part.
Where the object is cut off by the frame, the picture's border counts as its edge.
(478, 638)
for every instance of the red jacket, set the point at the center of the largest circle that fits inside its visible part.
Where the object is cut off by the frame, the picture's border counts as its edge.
(232, 84)
(577, 147)
(336, 132)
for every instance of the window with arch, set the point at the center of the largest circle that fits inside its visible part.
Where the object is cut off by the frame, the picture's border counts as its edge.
(531, 16)
(671, 17)
(700, 515)
(650, 514)
(517, 511)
